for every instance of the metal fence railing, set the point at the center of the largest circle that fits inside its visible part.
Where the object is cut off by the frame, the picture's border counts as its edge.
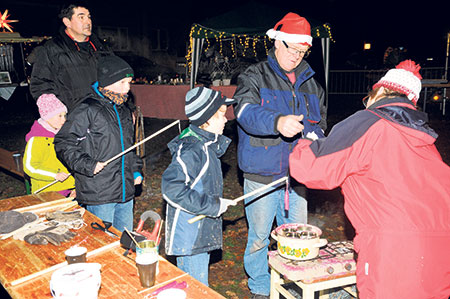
(361, 81)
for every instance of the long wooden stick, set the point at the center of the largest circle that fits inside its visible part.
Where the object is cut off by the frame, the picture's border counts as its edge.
(256, 191)
(142, 141)
(60, 265)
(45, 187)
(162, 283)
(45, 204)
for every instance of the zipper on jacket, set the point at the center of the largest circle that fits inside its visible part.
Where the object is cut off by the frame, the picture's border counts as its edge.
(307, 104)
(123, 148)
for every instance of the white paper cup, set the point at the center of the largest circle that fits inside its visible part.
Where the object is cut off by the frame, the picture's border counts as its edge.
(76, 254)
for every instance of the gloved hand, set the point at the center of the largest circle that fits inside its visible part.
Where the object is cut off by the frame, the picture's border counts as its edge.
(312, 136)
(55, 235)
(224, 204)
(61, 216)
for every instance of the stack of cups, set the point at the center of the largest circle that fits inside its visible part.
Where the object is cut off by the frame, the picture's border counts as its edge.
(147, 262)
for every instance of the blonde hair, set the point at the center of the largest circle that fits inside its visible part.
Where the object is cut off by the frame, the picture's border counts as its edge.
(222, 108)
(386, 93)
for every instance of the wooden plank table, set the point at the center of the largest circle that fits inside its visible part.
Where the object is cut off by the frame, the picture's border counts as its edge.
(119, 273)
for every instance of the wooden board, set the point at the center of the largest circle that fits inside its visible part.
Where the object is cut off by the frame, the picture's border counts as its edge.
(119, 273)
(7, 162)
(120, 280)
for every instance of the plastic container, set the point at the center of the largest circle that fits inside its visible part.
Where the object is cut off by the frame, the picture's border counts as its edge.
(80, 280)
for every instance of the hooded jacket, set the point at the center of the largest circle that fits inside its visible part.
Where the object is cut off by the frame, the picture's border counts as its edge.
(265, 93)
(66, 68)
(192, 185)
(397, 196)
(96, 131)
(40, 162)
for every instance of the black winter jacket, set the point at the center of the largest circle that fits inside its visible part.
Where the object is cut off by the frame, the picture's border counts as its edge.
(66, 68)
(97, 130)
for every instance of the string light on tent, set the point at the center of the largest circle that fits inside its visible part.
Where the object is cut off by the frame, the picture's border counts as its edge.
(244, 40)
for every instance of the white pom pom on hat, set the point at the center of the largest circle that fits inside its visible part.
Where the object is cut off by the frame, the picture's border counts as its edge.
(405, 78)
(292, 28)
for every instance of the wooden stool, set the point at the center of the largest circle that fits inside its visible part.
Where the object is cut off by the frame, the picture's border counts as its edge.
(334, 267)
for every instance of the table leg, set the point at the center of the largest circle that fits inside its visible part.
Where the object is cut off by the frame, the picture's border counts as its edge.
(274, 280)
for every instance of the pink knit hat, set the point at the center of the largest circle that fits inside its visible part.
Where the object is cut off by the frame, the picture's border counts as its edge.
(405, 78)
(49, 106)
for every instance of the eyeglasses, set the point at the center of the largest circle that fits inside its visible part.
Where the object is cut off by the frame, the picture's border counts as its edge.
(293, 51)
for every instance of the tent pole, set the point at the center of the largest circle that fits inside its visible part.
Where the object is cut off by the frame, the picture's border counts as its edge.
(326, 62)
(197, 45)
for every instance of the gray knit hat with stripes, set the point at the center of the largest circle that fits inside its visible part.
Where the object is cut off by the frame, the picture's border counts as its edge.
(202, 103)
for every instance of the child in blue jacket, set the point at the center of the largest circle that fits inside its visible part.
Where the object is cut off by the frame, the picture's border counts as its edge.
(193, 184)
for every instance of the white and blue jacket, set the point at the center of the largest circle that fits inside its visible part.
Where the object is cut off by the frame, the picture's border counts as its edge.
(192, 185)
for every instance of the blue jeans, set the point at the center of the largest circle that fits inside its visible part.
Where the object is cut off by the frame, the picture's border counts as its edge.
(261, 210)
(196, 265)
(119, 214)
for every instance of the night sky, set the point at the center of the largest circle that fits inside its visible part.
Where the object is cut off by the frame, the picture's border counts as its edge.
(420, 29)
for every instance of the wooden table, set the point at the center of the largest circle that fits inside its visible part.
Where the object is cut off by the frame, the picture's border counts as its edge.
(21, 262)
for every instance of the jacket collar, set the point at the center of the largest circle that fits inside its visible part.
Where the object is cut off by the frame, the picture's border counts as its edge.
(218, 143)
(302, 72)
(401, 111)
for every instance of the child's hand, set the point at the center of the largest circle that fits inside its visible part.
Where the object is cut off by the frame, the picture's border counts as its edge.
(99, 166)
(61, 176)
(73, 193)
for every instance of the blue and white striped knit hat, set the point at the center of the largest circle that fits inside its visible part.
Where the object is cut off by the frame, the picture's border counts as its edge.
(202, 103)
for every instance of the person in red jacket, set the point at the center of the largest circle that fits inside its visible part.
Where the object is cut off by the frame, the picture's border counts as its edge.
(396, 189)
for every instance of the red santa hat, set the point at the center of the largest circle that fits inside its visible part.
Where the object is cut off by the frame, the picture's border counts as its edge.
(405, 78)
(292, 28)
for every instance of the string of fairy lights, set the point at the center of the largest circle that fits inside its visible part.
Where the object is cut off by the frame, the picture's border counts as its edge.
(247, 42)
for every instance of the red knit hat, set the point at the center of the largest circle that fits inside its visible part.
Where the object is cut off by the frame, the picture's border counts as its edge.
(49, 106)
(292, 28)
(405, 78)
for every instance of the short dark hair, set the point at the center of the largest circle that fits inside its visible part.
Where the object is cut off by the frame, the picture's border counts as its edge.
(68, 10)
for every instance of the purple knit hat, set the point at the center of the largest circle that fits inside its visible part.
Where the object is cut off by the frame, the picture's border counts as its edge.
(49, 106)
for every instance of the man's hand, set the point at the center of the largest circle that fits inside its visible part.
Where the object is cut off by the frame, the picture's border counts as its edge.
(138, 180)
(289, 125)
(99, 166)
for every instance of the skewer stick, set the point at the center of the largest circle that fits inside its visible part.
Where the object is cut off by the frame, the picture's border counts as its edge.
(132, 238)
(142, 141)
(159, 232)
(45, 187)
(256, 191)
(60, 265)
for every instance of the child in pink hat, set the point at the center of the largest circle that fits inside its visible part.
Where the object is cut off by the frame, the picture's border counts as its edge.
(40, 162)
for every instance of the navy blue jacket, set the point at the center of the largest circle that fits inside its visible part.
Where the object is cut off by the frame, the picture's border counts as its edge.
(193, 185)
(264, 93)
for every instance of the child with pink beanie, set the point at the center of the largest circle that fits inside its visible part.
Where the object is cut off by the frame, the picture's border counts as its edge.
(39, 161)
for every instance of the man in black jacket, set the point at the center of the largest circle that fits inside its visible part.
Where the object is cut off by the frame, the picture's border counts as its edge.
(66, 65)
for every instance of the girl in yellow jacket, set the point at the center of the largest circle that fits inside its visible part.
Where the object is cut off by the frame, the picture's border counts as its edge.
(39, 161)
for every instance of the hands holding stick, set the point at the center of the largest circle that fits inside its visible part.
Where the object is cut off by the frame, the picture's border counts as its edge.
(254, 192)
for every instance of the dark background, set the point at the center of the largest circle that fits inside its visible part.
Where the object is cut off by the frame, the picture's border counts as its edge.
(421, 28)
